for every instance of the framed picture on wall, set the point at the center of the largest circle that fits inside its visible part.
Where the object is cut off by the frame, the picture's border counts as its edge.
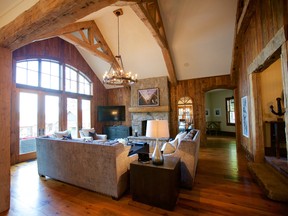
(245, 116)
(217, 112)
(148, 97)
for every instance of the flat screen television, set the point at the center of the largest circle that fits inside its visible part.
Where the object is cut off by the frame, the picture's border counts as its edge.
(111, 113)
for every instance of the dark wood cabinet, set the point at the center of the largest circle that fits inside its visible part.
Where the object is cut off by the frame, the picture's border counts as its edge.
(115, 132)
(276, 139)
(156, 185)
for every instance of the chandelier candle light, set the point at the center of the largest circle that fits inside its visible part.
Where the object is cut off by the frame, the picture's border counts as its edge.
(157, 129)
(116, 74)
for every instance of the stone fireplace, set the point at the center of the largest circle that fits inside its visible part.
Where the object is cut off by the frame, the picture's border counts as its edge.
(139, 120)
(139, 114)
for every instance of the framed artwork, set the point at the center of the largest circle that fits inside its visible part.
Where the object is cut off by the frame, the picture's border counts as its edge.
(217, 112)
(207, 112)
(148, 97)
(245, 116)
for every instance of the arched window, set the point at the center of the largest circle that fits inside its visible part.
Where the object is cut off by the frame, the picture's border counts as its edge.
(52, 96)
(185, 113)
(76, 81)
(46, 73)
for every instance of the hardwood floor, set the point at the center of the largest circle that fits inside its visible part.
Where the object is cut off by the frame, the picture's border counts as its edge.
(223, 186)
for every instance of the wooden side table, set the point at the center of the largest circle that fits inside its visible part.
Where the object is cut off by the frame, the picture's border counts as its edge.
(156, 185)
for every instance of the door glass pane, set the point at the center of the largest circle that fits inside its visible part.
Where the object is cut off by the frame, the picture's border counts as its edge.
(72, 124)
(86, 114)
(51, 114)
(28, 122)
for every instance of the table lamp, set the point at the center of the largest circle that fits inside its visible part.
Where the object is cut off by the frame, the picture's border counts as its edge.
(157, 129)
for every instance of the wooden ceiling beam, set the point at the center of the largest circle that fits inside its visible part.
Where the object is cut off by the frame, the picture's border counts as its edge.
(148, 11)
(246, 9)
(90, 39)
(44, 17)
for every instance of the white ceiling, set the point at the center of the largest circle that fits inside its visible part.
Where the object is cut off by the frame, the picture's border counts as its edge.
(200, 35)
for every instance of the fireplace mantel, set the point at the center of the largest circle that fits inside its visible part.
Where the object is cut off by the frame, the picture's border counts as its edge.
(149, 109)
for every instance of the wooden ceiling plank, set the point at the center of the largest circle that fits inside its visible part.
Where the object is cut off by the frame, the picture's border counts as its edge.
(149, 13)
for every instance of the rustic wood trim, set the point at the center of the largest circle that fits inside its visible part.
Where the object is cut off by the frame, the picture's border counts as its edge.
(149, 13)
(149, 109)
(77, 42)
(270, 53)
(5, 126)
(256, 118)
(284, 63)
(74, 27)
(241, 26)
(88, 42)
(28, 156)
(243, 14)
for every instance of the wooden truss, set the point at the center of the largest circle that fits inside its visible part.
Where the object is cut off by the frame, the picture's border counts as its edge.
(33, 25)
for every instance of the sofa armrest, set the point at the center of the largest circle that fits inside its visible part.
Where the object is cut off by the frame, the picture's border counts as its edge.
(101, 137)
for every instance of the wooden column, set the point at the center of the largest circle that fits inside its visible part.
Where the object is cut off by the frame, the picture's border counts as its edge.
(256, 123)
(284, 62)
(5, 114)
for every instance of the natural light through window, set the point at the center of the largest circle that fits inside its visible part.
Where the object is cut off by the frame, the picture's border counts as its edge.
(70, 80)
(86, 114)
(230, 113)
(51, 114)
(72, 116)
(50, 74)
(27, 72)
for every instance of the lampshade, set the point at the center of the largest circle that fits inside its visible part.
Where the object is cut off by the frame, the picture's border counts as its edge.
(157, 128)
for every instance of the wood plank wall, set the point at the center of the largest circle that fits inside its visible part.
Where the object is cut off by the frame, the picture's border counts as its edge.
(268, 16)
(64, 52)
(196, 89)
(120, 96)
(5, 109)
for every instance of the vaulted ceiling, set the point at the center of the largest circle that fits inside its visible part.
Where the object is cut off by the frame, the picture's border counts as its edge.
(200, 36)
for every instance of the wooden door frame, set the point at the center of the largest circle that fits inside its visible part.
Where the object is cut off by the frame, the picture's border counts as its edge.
(275, 49)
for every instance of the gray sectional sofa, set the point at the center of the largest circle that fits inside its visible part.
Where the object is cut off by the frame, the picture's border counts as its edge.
(188, 152)
(100, 167)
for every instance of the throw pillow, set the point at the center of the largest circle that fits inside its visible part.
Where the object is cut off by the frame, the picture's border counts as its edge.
(68, 137)
(180, 136)
(168, 148)
(85, 132)
(93, 135)
(61, 134)
(174, 142)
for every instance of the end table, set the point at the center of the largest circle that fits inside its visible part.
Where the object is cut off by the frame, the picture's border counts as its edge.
(156, 185)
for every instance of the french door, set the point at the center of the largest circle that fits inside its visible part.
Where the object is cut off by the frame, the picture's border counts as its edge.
(38, 115)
